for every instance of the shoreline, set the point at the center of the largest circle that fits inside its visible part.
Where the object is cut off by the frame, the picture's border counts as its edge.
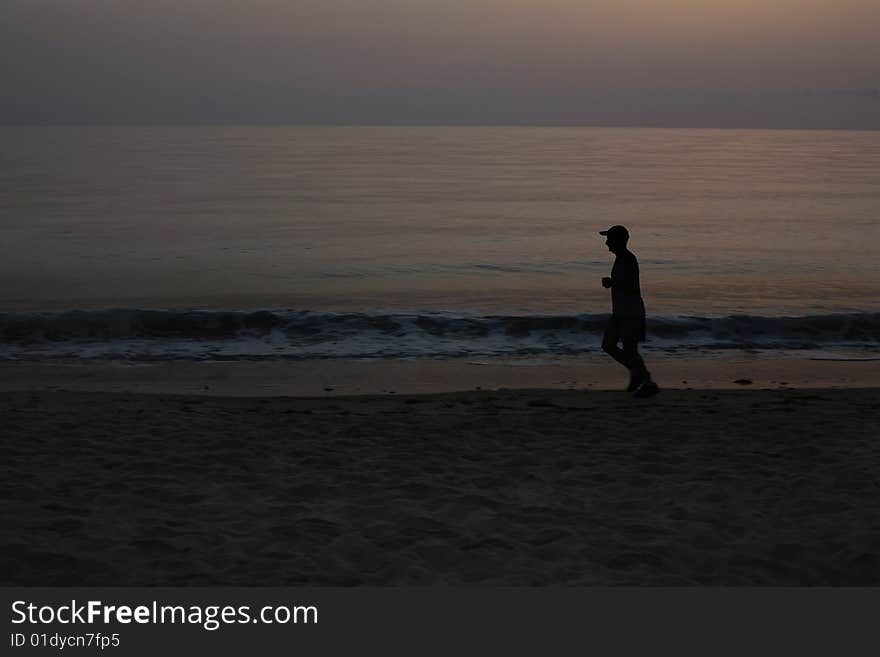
(333, 377)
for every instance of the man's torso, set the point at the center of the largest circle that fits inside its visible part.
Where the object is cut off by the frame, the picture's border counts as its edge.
(626, 294)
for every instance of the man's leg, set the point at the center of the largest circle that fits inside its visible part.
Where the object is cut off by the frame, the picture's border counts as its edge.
(609, 343)
(628, 356)
(640, 379)
(633, 360)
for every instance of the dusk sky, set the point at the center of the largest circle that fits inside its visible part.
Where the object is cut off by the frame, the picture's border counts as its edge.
(685, 63)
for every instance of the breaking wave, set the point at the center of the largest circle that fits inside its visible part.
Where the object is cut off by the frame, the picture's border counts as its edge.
(138, 334)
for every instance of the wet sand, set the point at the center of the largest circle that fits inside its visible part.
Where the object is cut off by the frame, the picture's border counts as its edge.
(333, 377)
(519, 487)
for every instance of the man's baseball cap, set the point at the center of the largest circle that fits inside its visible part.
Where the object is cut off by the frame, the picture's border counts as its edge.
(616, 231)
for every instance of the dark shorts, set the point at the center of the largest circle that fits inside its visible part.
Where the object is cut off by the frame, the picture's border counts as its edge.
(625, 328)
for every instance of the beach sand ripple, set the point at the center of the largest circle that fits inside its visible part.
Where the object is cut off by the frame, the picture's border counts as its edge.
(526, 487)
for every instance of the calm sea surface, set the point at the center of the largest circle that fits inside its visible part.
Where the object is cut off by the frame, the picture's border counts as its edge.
(486, 220)
(382, 242)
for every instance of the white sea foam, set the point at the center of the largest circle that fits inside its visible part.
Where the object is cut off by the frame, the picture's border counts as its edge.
(152, 335)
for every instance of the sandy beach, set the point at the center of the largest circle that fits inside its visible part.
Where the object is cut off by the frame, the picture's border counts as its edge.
(498, 487)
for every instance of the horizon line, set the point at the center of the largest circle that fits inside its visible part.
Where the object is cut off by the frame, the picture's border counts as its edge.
(273, 124)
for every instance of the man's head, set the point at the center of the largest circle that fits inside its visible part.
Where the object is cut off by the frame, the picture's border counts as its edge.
(616, 238)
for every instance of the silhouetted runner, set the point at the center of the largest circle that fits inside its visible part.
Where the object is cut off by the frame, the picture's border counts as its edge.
(627, 322)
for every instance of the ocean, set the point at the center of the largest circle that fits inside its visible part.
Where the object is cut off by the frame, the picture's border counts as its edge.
(295, 242)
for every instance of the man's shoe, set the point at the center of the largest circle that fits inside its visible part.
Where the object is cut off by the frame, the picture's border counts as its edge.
(635, 383)
(647, 389)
